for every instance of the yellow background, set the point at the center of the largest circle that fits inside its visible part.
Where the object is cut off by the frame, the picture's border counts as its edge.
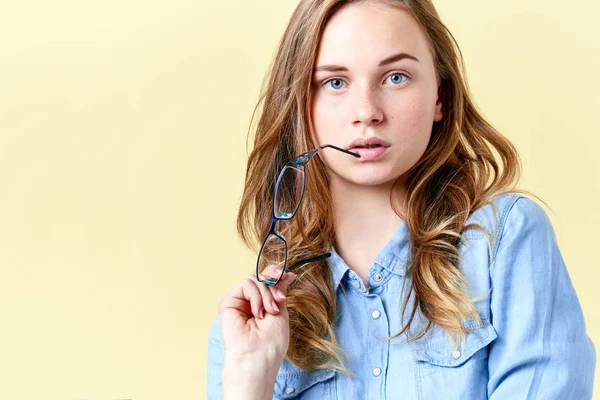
(122, 158)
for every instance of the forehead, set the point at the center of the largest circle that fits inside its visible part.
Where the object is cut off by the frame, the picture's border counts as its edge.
(370, 32)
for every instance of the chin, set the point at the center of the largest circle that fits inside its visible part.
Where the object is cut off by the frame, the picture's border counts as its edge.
(367, 178)
(376, 183)
(373, 180)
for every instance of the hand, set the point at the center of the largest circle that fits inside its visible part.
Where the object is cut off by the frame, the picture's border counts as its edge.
(250, 335)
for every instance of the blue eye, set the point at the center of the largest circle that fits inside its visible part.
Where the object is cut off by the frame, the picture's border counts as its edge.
(396, 81)
(337, 83)
(335, 80)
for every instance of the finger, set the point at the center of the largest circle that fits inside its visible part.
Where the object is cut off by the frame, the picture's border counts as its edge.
(248, 291)
(278, 295)
(272, 271)
(280, 290)
(241, 306)
(268, 299)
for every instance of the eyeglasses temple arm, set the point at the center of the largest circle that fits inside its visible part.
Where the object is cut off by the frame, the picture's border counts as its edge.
(340, 149)
(308, 260)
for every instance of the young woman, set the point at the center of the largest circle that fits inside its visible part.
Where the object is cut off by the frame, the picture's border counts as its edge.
(444, 281)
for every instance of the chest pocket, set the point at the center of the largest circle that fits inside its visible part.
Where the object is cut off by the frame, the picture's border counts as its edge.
(293, 382)
(438, 364)
(439, 352)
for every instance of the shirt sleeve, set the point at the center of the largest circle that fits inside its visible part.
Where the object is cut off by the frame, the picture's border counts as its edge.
(542, 350)
(214, 368)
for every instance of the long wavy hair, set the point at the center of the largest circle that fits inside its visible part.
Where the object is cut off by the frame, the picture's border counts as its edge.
(457, 174)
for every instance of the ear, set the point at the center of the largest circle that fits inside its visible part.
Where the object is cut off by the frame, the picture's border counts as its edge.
(438, 114)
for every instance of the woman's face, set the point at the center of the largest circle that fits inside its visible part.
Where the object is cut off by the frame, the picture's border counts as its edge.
(362, 88)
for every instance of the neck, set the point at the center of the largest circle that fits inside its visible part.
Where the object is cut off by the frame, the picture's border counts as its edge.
(365, 221)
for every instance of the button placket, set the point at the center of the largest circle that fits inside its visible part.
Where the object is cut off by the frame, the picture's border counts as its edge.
(378, 350)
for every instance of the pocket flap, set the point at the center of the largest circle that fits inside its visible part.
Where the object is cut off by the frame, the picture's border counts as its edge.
(292, 384)
(441, 352)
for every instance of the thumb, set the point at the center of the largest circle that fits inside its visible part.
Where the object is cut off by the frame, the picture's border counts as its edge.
(284, 284)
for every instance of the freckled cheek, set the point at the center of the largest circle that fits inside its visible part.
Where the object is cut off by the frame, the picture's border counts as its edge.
(413, 121)
(327, 119)
(411, 114)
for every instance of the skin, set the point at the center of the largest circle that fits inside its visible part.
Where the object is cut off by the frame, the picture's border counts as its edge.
(364, 101)
(397, 102)
(255, 333)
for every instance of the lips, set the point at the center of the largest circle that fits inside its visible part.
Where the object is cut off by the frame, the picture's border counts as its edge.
(367, 147)
(370, 153)
(365, 143)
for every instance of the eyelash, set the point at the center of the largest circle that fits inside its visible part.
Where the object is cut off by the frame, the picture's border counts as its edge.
(393, 73)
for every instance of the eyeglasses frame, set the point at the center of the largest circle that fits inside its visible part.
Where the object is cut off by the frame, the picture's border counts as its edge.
(299, 161)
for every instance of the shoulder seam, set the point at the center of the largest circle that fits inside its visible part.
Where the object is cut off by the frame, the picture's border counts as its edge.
(503, 218)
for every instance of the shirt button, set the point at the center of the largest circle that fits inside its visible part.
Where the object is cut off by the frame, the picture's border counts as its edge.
(375, 314)
(290, 390)
(456, 354)
(378, 277)
(377, 371)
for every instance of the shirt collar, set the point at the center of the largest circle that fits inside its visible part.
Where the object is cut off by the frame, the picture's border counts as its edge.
(392, 257)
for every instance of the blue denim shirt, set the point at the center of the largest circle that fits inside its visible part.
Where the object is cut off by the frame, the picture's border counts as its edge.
(532, 343)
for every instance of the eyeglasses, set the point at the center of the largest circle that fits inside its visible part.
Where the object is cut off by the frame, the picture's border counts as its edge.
(288, 194)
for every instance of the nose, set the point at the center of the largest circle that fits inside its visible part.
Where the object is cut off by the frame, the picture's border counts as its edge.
(368, 110)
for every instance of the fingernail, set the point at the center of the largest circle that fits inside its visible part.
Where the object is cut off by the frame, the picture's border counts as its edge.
(275, 306)
(288, 270)
(279, 294)
(262, 313)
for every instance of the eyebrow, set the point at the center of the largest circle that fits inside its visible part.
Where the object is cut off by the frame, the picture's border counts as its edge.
(386, 61)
